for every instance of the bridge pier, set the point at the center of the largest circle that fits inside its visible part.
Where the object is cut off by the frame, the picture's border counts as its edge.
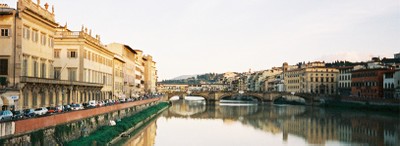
(212, 102)
(181, 97)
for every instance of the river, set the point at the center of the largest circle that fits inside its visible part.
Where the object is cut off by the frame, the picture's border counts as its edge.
(193, 122)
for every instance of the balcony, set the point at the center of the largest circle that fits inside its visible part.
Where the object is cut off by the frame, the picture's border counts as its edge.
(25, 79)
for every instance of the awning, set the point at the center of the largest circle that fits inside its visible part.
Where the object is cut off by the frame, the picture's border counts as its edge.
(8, 101)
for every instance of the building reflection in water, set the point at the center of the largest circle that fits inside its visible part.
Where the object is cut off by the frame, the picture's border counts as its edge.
(145, 138)
(315, 125)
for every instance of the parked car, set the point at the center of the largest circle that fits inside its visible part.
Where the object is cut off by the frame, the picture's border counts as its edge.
(52, 110)
(19, 114)
(76, 107)
(41, 111)
(60, 108)
(29, 113)
(6, 115)
(91, 104)
(66, 108)
(100, 103)
(122, 100)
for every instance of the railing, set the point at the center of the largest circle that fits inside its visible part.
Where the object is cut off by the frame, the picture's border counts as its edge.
(25, 79)
(78, 34)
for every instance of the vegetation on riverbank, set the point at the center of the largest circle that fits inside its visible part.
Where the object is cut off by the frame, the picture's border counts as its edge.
(106, 133)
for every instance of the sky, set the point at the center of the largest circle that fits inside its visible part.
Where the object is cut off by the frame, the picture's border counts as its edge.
(188, 37)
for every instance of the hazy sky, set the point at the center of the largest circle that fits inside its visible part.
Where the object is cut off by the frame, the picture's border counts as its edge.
(200, 36)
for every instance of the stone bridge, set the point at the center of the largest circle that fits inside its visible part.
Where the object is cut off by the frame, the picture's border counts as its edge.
(211, 96)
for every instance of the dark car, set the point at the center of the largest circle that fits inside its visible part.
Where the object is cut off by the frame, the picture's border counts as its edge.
(18, 114)
(67, 108)
(29, 113)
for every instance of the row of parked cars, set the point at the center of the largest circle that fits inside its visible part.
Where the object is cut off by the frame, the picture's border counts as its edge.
(28, 113)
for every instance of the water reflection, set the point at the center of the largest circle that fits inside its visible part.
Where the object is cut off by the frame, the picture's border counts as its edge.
(144, 138)
(197, 123)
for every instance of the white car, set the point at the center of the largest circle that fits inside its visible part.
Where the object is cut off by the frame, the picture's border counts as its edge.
(76, 107)
(91, 104)
(40, 111)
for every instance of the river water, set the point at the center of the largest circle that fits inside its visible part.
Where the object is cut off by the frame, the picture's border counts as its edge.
(193, 122)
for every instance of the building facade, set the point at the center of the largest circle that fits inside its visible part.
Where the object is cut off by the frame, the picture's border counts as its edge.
(150, 74)
(139, 72)
(26, 55)
(388, 85)
(118, 77)
(83, 60)
(368, 83)
(312, 78)
(129, 56)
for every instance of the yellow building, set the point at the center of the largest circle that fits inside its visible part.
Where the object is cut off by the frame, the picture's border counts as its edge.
(118, 77)
(313, 77)
(83, 60)
(26, 55)
(129, 57)
(139, 72)
(150, 74)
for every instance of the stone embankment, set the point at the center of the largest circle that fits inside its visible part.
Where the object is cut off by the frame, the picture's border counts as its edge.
(32, 124)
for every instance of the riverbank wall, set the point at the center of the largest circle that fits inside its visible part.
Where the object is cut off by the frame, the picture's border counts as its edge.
(107, 135)
(24, 126)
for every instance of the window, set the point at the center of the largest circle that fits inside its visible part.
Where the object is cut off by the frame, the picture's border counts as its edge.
(25, 67)
(85, 54)
(57, 53)
(72, 54)
(43, 100)
(35, 69)
(4, 67)
(35, 36)
(26, 32)
(51, 70)
(51, 101)
(34, 99)
(43, 70)
(43, 39)
(84, 75)
(57, 73)
(72, 74)
(51, 42)
(5, 32)
(26, 97)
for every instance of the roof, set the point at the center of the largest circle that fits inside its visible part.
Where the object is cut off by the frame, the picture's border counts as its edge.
(130, 49)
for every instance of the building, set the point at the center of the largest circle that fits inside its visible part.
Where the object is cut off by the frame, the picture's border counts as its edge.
(128, 70)
(85, 61)
(275, 83)
(26, 56)
(368, 83)
(344, 80)
(312, 78)
(118, 77)
(397, 56)
(396, 77)
(139, 72)
(165, 88)
(150, 74)
(388, 85)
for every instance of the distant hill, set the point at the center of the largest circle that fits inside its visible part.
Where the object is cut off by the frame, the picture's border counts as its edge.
(208, 78)
(183, 77)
